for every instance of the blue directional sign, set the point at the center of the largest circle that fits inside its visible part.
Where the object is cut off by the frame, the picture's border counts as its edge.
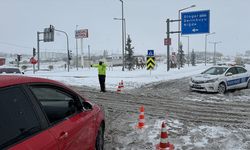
(195, 22)
(150, 52)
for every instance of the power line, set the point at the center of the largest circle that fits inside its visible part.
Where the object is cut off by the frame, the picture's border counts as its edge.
(27, 47)
(15, 45)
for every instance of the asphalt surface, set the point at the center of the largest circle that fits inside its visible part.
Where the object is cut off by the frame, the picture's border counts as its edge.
(230, 110)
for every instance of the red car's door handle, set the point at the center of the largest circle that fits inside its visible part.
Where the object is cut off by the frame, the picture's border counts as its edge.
(63, 135)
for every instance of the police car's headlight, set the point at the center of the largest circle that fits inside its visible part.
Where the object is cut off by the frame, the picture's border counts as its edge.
(211, 81)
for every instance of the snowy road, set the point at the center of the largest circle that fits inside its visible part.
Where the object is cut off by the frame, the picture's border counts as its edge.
(194, 120)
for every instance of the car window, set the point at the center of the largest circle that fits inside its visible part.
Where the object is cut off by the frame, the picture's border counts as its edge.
(241, 70)
(10, 70)
(18, 119)
(56, 103)
(232, 70)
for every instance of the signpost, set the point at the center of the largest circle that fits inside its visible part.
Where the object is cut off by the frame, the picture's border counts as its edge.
(150, 60)
(83, 33)
(33, 61)
(150, 63)
(195, 22)
(80, 34)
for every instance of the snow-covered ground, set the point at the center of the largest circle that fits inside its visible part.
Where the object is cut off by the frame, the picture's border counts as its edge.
(131, 79)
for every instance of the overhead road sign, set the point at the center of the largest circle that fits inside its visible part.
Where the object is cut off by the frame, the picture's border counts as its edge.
(195, 22)
(150, 63)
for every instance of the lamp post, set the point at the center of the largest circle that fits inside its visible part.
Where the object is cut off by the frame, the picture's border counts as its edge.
(179, 24)
(125, 28)
(122, 37)
(76, 50)
(188, 49)
(215, 43)
(206, 35)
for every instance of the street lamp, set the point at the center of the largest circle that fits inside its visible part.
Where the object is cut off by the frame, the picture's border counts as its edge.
(215, 43)
(206, 35)
(179, 24)
(122, 37)
(125, 28)
(188, 49)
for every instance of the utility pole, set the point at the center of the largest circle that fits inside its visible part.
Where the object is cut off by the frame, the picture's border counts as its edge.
(89, 54)
(82, 60)
(76, 50)
(215, 43)
(206, 35)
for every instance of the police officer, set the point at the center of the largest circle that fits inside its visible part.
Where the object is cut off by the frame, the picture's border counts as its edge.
(101, 74)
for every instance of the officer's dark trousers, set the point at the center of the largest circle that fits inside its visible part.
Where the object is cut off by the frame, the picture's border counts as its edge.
(102, 82)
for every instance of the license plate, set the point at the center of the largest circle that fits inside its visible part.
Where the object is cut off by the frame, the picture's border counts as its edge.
(196, 85)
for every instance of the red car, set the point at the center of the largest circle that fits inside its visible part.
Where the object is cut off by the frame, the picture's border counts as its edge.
(41, 114)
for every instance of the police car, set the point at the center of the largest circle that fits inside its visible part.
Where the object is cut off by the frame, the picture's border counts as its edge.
(220, 79)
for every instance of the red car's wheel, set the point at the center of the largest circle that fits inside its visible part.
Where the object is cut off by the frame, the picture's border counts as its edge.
(100, 139)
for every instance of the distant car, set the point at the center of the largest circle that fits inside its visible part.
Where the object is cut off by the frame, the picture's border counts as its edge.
(220, 79)
(10, 70)
(42, 114)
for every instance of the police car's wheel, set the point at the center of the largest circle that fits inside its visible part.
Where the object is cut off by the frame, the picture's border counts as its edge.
(222, 88)
(248, 84)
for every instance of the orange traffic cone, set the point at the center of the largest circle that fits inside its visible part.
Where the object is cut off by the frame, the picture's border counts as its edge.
(141, 118)
(164, 144)
(119, 88)
(122, 86)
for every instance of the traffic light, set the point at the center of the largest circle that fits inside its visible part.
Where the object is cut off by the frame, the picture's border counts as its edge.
(48, 34)
(19, 58)
(34, 52)
(70, 55)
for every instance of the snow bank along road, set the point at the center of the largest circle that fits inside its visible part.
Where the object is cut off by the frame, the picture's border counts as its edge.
(231, 111)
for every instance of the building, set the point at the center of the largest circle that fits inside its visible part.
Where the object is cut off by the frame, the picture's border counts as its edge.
(2, 61)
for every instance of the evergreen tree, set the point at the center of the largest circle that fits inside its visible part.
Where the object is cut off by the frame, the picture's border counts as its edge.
(193, 57)
(129, 54)
(182, 56)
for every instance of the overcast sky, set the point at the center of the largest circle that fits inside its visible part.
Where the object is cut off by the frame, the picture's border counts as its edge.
(145, 20)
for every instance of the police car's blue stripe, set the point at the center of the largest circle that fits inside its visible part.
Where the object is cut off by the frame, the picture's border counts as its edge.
(237, 81)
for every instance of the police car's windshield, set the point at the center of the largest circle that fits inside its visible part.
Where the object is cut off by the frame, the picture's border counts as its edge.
(215, 70)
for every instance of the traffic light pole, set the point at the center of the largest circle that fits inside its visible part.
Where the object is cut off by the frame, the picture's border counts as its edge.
(38, 51)
(168, 37)
(67, 45)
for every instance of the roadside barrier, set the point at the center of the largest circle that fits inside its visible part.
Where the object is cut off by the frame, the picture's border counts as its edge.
(141, 118)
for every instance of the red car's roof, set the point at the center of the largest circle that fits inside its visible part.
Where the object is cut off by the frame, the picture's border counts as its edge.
(9, 80)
